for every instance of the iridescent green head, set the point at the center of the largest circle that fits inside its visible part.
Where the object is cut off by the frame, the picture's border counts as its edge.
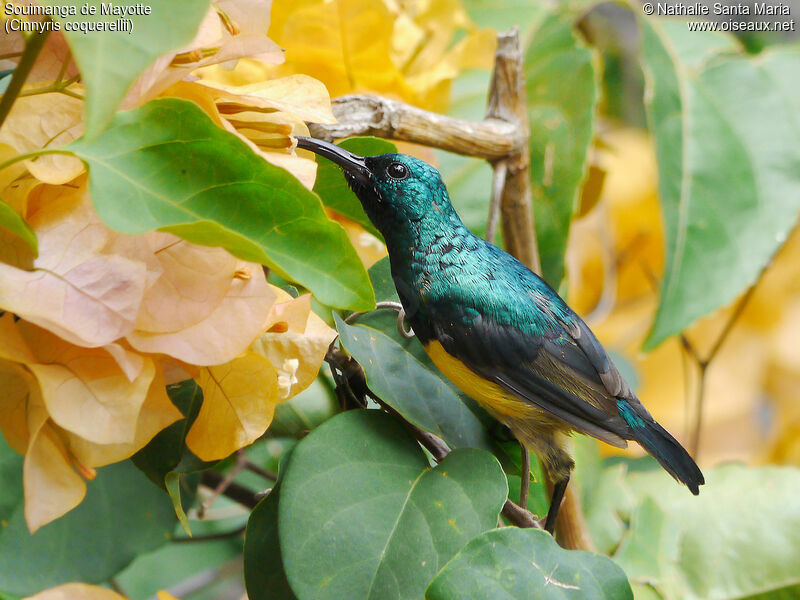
(394, 189)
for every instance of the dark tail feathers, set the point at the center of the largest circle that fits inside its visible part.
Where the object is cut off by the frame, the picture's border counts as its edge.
(663, 447)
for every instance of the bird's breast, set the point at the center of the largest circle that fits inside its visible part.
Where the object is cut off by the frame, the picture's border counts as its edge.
(500, 402)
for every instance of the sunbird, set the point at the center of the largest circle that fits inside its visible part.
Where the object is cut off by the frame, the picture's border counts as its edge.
(495, 329)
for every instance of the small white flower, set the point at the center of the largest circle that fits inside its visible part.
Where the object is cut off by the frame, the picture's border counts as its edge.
(287, 376)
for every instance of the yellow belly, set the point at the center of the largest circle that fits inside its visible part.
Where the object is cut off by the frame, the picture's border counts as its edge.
(487, 393)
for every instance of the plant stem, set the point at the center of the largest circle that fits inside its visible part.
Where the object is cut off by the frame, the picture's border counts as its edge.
(525, 476)
(34, 154)
(33, 45)
(234, 491)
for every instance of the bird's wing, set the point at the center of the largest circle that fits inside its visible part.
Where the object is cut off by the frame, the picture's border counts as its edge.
(565, 372)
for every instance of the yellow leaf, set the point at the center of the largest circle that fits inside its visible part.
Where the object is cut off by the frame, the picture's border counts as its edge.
(229, 323)
(74, 290)
(299, 95)
(239, 400)
(346, 44)
(46, 121)
(52, 487)
(157, 412)
(11, 172)
(79, 591)
(296, 352)
(401, 49)
(232, 29)
(15, 382)
(192, 281)
(84, 389)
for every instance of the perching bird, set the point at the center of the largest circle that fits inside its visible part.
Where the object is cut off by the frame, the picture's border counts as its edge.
(497, 330)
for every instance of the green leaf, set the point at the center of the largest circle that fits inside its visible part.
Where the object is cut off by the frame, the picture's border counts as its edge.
(561, 115)
(468, 179)
(264, 575)
(332, 186)
(305, 411)
(505, 14)
(122, 516)
(110, 61)
(167, 451)
(361, 514)
(700, 547)
(726, 130)
(166, 166)
(513, 563)
(11, 476)
(173, 484)
(9, 219)
(407, 386)
(380, 274)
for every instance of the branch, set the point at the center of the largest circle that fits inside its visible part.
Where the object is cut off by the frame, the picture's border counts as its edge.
(234, 491)
(519, 516)
(508, 103)
(357, 114)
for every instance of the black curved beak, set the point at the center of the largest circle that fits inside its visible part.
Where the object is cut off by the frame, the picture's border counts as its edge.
(351, 164)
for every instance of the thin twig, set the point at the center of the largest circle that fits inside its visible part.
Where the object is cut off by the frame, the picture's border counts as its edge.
(33, 45)
(254, 468)
(236, 492)
(508, 103)
(238, 467)
(525, 476)
(703, 364)
(64, 66)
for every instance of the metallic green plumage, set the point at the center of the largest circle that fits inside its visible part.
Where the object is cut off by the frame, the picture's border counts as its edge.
(499, 319)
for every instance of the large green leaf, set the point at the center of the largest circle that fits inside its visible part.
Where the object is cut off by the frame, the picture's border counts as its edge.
(264, 575)
(110, 61)
(513, 563)
(263, 564)
(562, 91)
(726, 127)
(406, 385)
(362, 515)
(9, 219)
(122, 516)
(740, 538)
(332, 186)
(167, 166)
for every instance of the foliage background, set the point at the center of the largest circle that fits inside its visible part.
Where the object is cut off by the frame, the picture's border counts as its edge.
(665, 176)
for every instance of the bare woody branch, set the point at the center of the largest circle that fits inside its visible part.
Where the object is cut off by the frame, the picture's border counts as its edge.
(492, 139)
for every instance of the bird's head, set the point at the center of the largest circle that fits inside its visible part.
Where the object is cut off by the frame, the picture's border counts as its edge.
(393, 188)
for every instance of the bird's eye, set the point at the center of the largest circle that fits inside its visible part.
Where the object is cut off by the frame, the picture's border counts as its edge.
(397, 170)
